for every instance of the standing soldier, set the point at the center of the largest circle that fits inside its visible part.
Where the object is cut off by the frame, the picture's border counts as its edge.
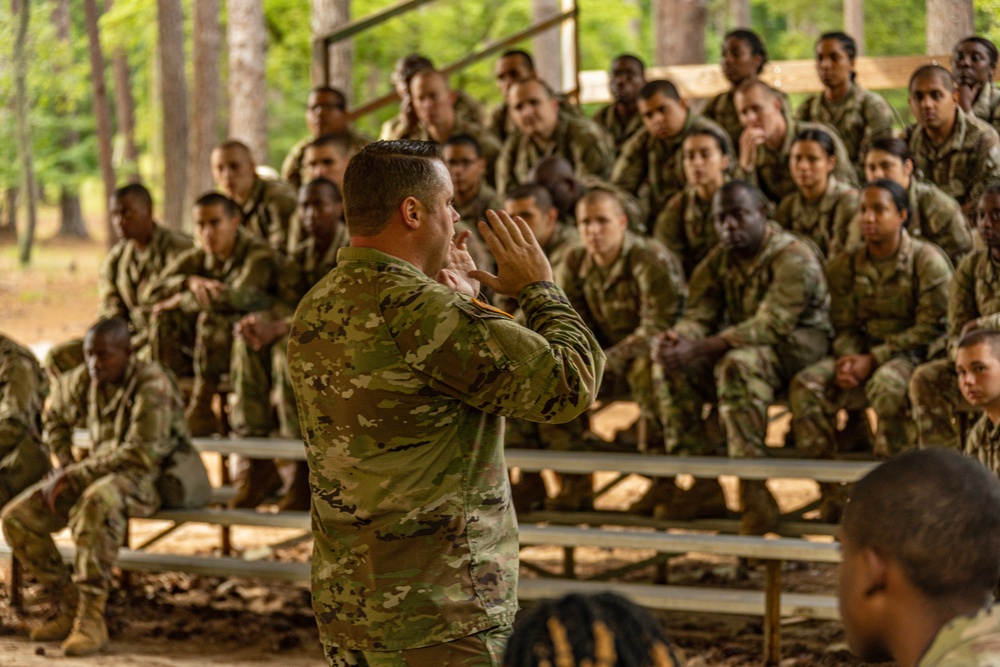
(621, 118)
(24, 458)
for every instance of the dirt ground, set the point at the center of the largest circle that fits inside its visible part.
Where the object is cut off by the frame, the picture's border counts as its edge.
(175, 620)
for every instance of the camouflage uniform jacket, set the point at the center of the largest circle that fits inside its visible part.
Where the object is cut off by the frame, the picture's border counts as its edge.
(965, 163)
(580, 140)
(975, 294)
(619, 131)
(900, 313)
(126, 272)
(859, 117)
(762, 301)
(133, 427)
(303, 268)
(250, 274)
(986, 106)
(772, 174)
(466, 109)
(654, 166)
(501, 121)
(268, 212)
(966, 641)
(983, 443)
(686, 227)
(826, 221)
(23, 386)
(291, 168)
(488, 143)
(402, 386)
(641, 294)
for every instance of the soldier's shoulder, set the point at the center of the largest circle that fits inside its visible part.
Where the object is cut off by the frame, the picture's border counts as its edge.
(279, 191)
(929, 257)
(581, 128)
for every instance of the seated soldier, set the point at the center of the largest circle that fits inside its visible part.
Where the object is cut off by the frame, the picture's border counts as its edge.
(626, 288)
(954, 150)
(686, 225)
(743, 57)
(231, 273)
(473, 196)
(556, 174)
(977, 364)
(757, 314)
(24, 458)
(934, 216)
(973, 64)
(888, 301)
(514, 66)
(544, 130)
(266, 207)
(134, 413)
(143, 249)
(326, 116)
(649, 165)
(327, 157)
(434, 103)
(766, 142)
(973, 304)
(259, 363)
(920, 545)
(821, 208)
(621, 118)
(405, 123)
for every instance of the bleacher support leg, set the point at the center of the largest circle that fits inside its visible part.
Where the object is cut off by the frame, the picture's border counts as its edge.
(772, 612)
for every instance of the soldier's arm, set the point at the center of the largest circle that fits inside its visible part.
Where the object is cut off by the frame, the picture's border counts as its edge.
(594, 153)
(669, 227)
(962, 306)
(844, 169)
(504, 174)
(841, 236)
(67, 406)
(110, 302)
(878, 119)
(848, 336)
(630, 169)
(948, 227)
(19, 401)
(253, 287)
(934, 277)
(985, 168)
(706, 299)
(174, 277)
(804, 112)
(292, 166)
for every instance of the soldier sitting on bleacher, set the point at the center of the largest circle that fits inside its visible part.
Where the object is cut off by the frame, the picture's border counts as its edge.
(24, 459)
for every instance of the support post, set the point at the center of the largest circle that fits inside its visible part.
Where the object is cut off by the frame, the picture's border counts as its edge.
(772, 612)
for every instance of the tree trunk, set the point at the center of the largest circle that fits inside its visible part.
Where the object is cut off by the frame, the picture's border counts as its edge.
(173, 90)
(71, 223)
(854, 22)
(327, 16)
(547, 54)
(101, 110)
(739, 13)
(125, 110)
(947, 22)
(247, 38)
(23, 10)
(205, 101)
(8, 225)
(680, 31)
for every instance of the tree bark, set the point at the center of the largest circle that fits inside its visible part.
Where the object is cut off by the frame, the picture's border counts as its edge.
(547, 54)
(739, 13)
(680, 31)
(22, 9)
(101, 110)
(327, 16)
(247, 38)
(947, 22)
(854, 22)
(8, 225)
(173, 90)
(125, 110)
(71, 217)
(206, 98)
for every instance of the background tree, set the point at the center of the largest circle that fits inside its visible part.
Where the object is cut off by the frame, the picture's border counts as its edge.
(173, 92)
(102, 111)
(21, 8)
(327, 16)
(207, 40)
(247, 39)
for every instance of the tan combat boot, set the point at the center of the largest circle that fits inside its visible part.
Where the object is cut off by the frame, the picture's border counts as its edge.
(298, 496)
(704, 500)
(58, 626)
(760, 511)
(662, 492)
(529, 493)
(90, 632)
(260, 482)
(576, 494)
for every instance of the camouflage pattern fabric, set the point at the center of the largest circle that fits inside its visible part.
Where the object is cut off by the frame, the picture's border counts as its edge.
(826, 221)
(133, 427)
(488, 143)
(501, 122)
(965, 163)
(268, 212)
(620, 132)
(24, 458)
(860, 117)
(986, 106)
(966, 641)
(983, 443)
(686, 226)
(466, 108)
(291, 168)
(564, 238)
(482, 649)
(584, 144)
(402, 384)
(935, 399)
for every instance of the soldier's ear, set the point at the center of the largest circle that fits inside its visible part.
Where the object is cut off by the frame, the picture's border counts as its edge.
(410, 211)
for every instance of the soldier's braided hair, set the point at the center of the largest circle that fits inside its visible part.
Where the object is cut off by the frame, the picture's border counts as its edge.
(752, 40)
(602, 630)
(847, 43)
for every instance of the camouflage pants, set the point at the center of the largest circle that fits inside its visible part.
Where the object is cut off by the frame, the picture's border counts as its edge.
(815, 400)
(257, 375)
(21, 465)
(171, 341)
(934, 399)
(213, 345)
(483, 649)
(97, 516)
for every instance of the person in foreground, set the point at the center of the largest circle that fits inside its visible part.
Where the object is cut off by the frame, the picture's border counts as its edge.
(402, 379)
(920, 539)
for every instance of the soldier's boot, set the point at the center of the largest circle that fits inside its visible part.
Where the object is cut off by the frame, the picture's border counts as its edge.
(704, 500)
(529, 494)
(833, 497)
(58, 626)
(576, 494)
(298, 496)
(201, 419)
(760, 511)
(90, 631)
(661, 492)
(260, 482)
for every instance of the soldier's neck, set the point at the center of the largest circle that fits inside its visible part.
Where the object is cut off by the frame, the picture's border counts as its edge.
(942, 134)
(464, 197)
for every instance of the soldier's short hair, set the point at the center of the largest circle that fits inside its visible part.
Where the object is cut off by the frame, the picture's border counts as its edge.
(546, 87)
(893, 146)
(338, 141)
(660, 87)
(215, 198)
(629, 57)
(113, 329)
(721, 140)
(597, 193)
(466, 140)
(990, 337)
(540, 193)
(237, 144)
(336, 92)
(757, 84)
(327, 185)
(937, 514)
(729, 187)
(846, 42)
(382, 175)
(136, 190)
(900, 197)
(529, 62)
(943, 75)
(752, 40)
(821, 137)
(990, 47)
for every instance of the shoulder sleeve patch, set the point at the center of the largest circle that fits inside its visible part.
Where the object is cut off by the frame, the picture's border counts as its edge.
(491, 309)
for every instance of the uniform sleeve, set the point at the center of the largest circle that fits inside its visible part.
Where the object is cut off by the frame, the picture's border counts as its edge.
(631, 168)
(985, 167)
(593, 152)
(947, 226)
(795, 279)
(844, 169)
(878, 119)
(783, 216)
(669, 227)
(18, 401)
(280, 210)
(848, 336)
(253, 287)
(174, 276)
(934, 276)
(67, 407)
(291, 168)
(504, 174)
(842, 237)
(565, 276)
(706, 300)
(110, 303)
(549, 371)
(962, 305)
(804, 112)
